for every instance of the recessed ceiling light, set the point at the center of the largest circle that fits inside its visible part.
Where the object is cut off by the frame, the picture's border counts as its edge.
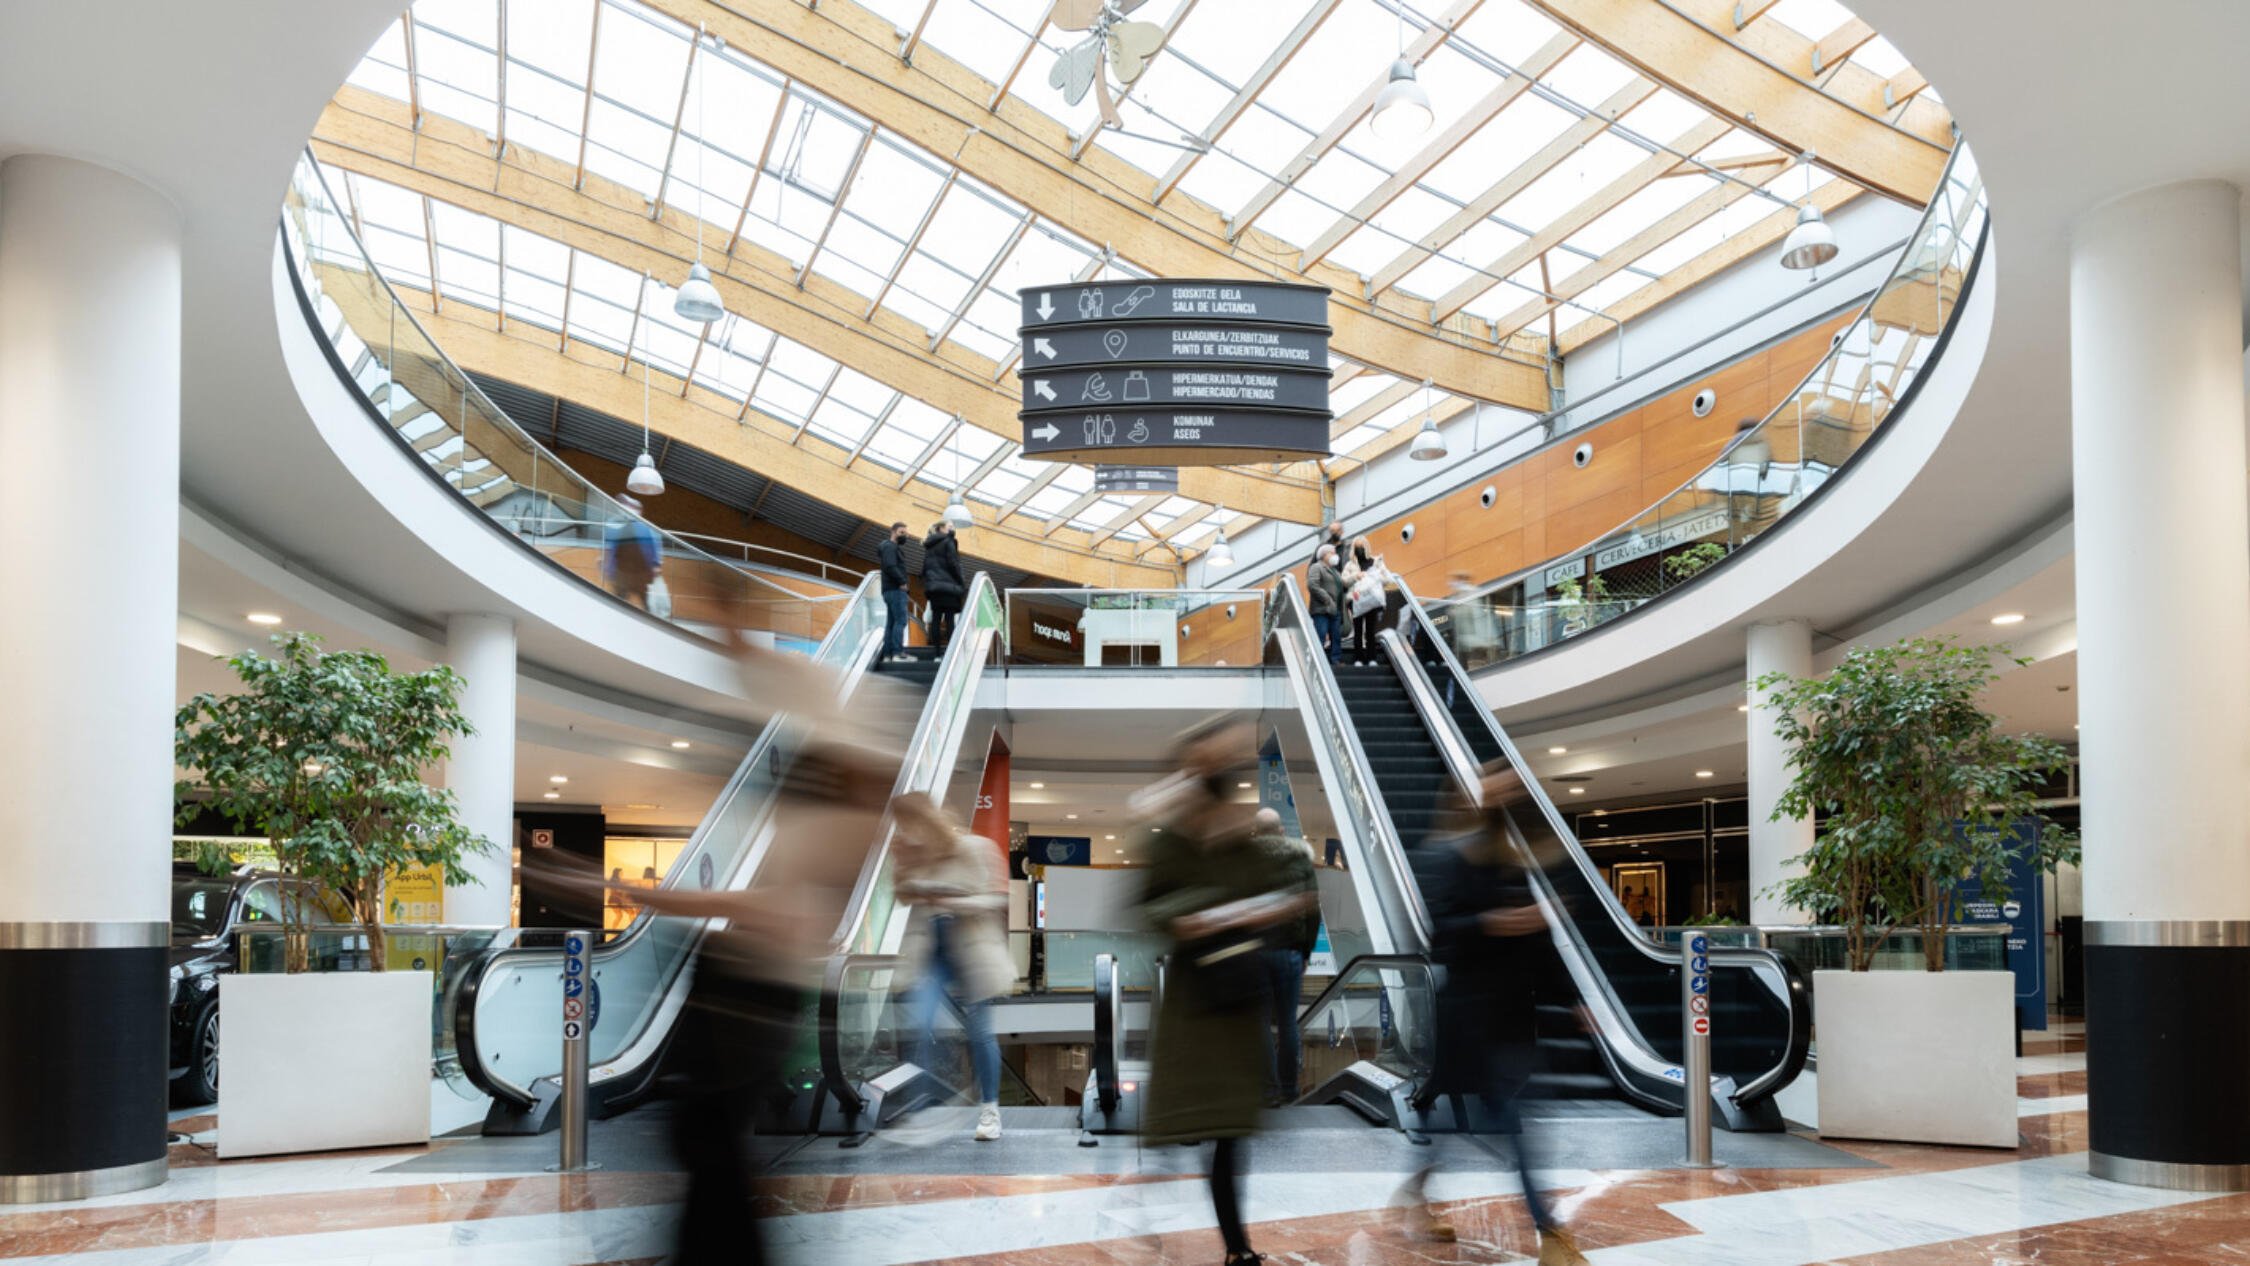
(1742, 707)
(1703, 773)
(263, 617)
(1557, 751)
(1112, 837)
(1245, 786)
(1038, 786)
(679, 745)
(1072, 816)
(2008, 617)
(643, 806)
(1578, 791)
(558, 779)
(550, 795)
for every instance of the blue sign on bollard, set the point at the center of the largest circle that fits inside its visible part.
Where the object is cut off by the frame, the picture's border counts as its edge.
(1699, 964)
(1700, 984)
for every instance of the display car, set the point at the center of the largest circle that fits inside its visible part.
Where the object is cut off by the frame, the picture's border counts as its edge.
(209, 913)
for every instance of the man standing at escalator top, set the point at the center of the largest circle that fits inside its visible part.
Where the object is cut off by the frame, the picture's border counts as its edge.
(890, 555)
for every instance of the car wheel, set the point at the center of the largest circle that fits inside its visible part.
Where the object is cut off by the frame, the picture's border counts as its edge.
(200, 1083)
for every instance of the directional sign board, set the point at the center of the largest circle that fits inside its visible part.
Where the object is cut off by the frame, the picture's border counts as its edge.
(1210, 343)
(1203, 386)
(1175, 436)
(1175, 372)
(1277, 303)
(1109, 479)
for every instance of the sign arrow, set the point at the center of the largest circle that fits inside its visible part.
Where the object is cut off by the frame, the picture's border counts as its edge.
(1046, 432)
(1043, 347)
(1046, 305)
(1044, 391)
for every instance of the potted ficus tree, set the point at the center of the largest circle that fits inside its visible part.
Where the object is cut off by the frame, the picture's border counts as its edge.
(323, 753)
(1924, 799)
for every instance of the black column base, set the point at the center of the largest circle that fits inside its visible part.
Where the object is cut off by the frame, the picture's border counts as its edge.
(2167, 1025)
(84, 1070)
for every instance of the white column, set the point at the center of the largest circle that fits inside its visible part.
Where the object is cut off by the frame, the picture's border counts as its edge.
(89, 619)
(2163, 561)
(1780, 646)
(89, 511)
(2163, 535)
(482, 771)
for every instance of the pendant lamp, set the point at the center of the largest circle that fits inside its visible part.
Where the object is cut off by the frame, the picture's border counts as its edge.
(1429, 445)
(645, 479)
(697, 299)
(1811, 243)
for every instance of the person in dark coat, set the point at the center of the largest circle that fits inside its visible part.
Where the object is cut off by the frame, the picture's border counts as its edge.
(942, 582)
(895, 598)
(1489, 934)
(1218, 895)
(1324, 599)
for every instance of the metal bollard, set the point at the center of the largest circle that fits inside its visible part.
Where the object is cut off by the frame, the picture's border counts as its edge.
(1695, 1046)
(578, 1022)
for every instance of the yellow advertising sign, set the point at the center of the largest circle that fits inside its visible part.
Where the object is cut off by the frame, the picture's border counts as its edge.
(415, 894)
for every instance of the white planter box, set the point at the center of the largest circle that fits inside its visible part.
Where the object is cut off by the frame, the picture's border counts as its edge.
(323, 1060)
(1917, 1057)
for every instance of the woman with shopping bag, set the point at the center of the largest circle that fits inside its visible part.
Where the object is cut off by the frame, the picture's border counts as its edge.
(1364, 578)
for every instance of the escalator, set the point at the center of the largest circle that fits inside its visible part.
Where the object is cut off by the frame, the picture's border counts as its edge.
(506, 1015)
(1401, 739)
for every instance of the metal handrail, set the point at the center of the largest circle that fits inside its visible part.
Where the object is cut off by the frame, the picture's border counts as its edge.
(1319, 679)
(760, 750)
(1791, 990)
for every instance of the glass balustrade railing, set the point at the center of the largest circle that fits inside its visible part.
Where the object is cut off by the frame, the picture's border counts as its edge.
(1380, 1011)
(471, 445)
(1136, 628)
(508, 1036)
(1071, 954)
(1767, 472)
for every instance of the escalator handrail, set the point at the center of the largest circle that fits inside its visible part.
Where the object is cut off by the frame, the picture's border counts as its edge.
(1318, 679)
(968, 652)
(1793, 993)
(1336, 987)
(465, 1007)
(1109, 1031)
(833, 1074)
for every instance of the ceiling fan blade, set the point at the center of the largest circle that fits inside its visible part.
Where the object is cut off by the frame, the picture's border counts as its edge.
(1107, 103)
(1131, 45)
(1076, 69)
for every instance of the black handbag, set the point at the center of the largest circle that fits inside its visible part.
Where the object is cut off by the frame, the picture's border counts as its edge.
(1227, 971)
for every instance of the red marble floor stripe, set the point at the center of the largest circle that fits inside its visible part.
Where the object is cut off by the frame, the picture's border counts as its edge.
(2049, 1085)
(2207, 1233)
(152, 1225)
(795, 1194)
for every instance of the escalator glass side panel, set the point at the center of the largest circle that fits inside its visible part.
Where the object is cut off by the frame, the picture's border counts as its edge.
(511, 1038)
(1380, 1010)
(1759, 1028)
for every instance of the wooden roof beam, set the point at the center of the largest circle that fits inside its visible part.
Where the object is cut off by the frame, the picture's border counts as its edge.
(1836, 47)
(1757, 93)
(1369, 409)
(366, 133)
(1572, 139)
(1247, 95)
(1084, 141)
(1440, 148)
(1560, 229)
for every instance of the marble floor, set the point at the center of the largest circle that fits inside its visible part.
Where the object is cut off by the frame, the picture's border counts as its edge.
(1321, 1195)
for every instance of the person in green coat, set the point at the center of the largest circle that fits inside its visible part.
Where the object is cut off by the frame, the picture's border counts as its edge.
(1220, 896)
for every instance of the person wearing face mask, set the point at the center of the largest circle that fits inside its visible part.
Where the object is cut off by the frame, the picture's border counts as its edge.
(895, 598)
(1224, 901)
(942, 581)
(1490, 935)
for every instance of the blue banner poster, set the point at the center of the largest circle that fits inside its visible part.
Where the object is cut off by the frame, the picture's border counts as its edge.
(2024, 913)
(1058, 850)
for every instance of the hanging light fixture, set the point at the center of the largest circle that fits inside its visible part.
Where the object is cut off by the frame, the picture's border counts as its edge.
(1812, 243)
(1428, 446)
(697, 299)
(1402, 109)
(645, 479)
(956, 508)
(1220, 554)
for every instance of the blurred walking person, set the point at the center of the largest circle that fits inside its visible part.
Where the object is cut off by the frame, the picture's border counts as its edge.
(942, 582)
(1490, 936)
(896, 600)
(957, 938)
(1289, 945)
(632, 556)
(1222, 899)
